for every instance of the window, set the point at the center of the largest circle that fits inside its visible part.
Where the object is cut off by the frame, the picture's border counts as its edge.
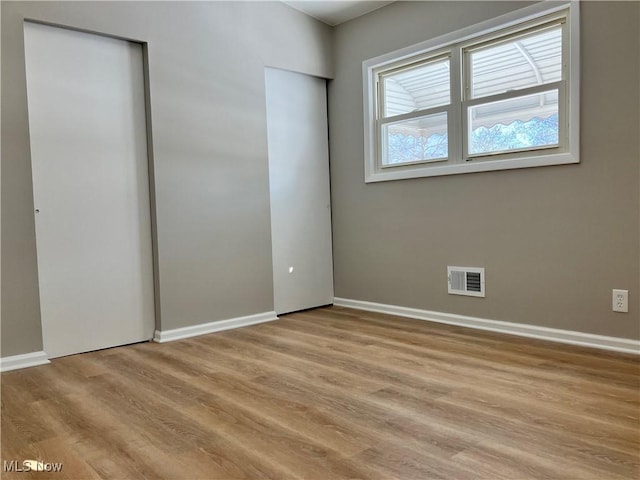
(414, 102)
(498, 95)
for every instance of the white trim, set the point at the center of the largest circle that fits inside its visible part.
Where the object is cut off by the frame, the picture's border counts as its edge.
(162, 336)
(25, 360)
(471, 167)
(573, 86)
(571, 337)
(455, 41)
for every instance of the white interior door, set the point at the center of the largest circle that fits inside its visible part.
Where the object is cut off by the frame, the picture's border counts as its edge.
(299, 187)
(91, 194)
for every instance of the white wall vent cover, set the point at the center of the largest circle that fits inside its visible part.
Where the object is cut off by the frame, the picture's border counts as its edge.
(466, 281)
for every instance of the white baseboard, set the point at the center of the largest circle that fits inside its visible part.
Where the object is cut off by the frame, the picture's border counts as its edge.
(616, 344)
(25, 360)
(162, 336)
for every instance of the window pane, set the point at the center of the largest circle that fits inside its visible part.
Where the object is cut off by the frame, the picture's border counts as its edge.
(526, 122)
(517, 63)
(416, 140)
(417, 88)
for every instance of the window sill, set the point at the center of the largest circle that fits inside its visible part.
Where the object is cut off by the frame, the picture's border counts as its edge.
(387, 174)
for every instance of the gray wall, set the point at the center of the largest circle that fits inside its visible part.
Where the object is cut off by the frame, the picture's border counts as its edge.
(554, 240)
(552, 248)
(206, 71)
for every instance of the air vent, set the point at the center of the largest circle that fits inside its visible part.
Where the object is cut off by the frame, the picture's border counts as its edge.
(466, 281)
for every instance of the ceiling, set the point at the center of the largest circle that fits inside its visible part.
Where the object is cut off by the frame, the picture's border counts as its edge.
(334, 12)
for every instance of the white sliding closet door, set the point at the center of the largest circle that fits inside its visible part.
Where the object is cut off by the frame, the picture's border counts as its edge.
(300, 194)
(91, 194)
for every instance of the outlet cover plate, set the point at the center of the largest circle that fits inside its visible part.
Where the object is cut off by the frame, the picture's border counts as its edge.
(620, 300)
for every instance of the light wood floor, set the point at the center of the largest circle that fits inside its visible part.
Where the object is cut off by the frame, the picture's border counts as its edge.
(327, 394)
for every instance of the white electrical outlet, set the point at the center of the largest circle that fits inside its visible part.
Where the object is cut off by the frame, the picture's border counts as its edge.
(620, 300)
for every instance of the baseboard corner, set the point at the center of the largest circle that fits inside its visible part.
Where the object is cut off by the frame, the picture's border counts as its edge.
(25, 360)
(163, 336)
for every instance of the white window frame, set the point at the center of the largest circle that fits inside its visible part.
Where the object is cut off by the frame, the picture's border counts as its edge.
(382, 121)
(455, 45)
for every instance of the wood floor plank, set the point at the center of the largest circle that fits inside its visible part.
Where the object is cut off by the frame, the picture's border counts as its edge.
(453, 369)
(330, 393)
(463, 378)
(485, 345)
(545, 372)
(335, 411)
(495, 427)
